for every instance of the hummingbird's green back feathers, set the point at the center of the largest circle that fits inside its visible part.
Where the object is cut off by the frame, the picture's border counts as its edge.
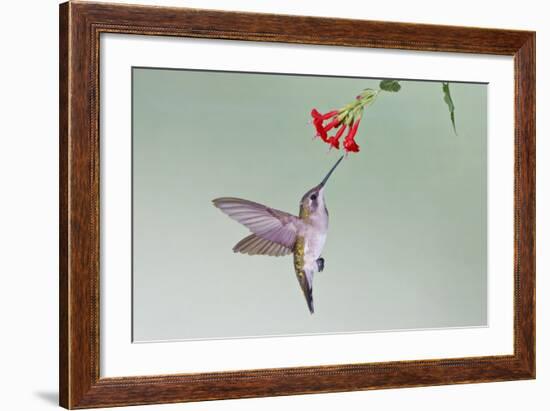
(305, 280)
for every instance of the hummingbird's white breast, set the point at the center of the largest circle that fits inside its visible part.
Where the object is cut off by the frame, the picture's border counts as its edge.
(315, 238)
(313, 247)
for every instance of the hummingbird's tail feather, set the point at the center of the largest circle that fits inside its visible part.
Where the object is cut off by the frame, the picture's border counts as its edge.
(255, 245)
(305, 278)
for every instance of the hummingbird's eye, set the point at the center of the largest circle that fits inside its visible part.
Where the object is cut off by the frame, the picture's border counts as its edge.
(313, 197)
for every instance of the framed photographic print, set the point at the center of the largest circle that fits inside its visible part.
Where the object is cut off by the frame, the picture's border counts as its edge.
(258, 205)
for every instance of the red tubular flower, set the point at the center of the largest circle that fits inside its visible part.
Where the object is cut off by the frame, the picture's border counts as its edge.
(316, 115)
(349, 141)
(334, 141)
(318, 124)
(351, 146)
(347, 118)
(319, 119)
(332, 124)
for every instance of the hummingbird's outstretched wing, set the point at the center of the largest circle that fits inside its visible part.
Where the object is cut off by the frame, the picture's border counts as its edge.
(268, 223)
(254, 245)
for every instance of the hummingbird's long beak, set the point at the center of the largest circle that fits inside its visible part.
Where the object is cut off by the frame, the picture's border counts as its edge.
(330, 172)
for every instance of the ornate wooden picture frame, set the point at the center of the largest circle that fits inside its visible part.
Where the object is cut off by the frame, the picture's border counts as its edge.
(81, 25)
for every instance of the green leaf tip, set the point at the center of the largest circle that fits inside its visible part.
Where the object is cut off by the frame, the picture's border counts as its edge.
(392, 86)
(449, 101)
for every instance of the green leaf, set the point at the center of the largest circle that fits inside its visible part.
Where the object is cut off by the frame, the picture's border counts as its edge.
(449, 101)
(392, 86)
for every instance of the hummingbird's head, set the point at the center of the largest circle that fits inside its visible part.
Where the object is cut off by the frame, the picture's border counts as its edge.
(314, 199)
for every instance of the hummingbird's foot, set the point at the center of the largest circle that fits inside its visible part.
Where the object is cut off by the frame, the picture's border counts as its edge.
(320, 264)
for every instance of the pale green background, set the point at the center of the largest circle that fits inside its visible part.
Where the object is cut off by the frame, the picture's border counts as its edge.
(407, 244)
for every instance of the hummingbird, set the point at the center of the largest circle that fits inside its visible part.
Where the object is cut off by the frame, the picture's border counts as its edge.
(278, 233)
